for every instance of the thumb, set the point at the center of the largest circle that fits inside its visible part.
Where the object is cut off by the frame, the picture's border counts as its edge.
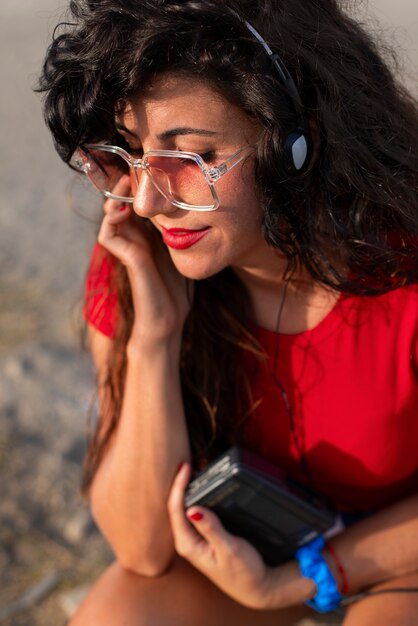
(210, 527)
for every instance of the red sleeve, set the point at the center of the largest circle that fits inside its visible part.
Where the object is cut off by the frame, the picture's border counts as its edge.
(100, 295)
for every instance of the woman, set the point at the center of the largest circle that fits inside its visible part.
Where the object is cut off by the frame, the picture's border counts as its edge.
(255, 283)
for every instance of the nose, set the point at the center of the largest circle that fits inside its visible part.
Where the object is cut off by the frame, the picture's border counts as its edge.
(148, 201)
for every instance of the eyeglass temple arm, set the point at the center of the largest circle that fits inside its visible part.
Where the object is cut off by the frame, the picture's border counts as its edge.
(215, 173)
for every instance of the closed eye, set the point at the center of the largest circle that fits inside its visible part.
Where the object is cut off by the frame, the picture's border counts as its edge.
(137, 153)
(208, 157)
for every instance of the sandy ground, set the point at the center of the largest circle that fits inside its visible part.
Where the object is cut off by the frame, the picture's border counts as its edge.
(47, 226)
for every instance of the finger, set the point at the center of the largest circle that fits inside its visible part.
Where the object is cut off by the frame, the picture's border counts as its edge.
(209, 526)
(123, 189)
(111, 223)
(175, 502)
(228, 552)
(119, 214)
(188, 542)
(123, 238)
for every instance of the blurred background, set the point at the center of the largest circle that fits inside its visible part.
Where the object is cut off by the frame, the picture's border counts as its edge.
(50, 551)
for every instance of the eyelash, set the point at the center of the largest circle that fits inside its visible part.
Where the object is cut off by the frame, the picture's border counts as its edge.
(209, 156)
(135, 152)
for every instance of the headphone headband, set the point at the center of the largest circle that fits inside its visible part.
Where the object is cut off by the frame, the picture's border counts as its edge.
(297, 145)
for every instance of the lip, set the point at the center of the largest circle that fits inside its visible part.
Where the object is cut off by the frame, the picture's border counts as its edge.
(182, 238)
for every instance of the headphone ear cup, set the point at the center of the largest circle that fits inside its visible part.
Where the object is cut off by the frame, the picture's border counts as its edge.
(297, 152)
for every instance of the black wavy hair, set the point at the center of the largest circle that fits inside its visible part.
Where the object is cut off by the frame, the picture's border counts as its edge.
(357, 209)
(351, 220)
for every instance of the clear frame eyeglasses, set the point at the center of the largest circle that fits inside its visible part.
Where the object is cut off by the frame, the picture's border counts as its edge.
(183, 178)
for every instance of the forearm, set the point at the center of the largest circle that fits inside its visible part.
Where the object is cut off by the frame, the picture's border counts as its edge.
(130, 490)
(379, 548)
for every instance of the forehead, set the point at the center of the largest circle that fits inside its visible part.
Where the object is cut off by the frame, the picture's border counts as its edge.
(173, 100)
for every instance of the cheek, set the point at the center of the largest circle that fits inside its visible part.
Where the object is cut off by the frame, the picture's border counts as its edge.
(241, 223)
(239, 199)
(239, 188)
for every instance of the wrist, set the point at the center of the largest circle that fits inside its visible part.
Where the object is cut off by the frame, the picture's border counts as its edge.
(287, 587)
(148, 341)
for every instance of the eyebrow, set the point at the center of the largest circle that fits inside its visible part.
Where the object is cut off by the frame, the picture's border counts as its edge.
(173, 132)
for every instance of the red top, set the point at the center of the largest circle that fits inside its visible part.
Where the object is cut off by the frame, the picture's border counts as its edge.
(352, 385)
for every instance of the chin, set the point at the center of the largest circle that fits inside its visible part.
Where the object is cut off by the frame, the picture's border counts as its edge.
(197, 275)
(197, 271)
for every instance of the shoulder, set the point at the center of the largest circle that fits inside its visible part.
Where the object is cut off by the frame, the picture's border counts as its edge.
(385, 326)
(400, 303)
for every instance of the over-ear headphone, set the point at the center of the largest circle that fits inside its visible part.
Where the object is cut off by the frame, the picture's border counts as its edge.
(297, 144)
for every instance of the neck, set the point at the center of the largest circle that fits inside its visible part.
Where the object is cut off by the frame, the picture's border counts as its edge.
(306, 302)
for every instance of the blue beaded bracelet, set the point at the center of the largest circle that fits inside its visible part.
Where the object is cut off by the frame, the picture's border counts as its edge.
(313, 565)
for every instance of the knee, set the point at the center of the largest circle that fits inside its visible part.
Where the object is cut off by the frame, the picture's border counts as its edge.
(115, 599)
(122, 597)
(387, 609)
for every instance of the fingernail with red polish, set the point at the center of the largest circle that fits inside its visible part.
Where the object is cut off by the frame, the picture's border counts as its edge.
(196, 517)
(123, 207)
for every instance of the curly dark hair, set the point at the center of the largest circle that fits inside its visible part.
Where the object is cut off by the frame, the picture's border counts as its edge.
(351, 220)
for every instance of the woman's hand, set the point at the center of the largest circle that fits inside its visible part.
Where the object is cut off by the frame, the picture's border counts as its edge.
(230, 562)
(161, 296)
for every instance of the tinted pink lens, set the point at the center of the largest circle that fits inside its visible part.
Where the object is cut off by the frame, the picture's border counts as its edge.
(180, 179)
(105, 169)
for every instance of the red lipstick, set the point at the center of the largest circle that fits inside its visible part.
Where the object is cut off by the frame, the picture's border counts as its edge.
(182, 238)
